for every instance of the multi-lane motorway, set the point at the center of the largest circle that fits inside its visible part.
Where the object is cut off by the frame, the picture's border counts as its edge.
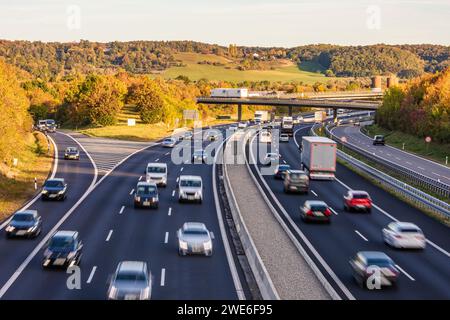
(101, 210)
(424, 274)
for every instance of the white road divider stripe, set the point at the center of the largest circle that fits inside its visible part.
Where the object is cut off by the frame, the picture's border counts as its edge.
(359, 234)
(405, 273)
(109, 235)
(91, 275)
(173, 193)
(140, 178)
(314, 193)
(121, 209)
(163, 277)
(332, 210)
(170, 212)
(131, 192)
(166, 238)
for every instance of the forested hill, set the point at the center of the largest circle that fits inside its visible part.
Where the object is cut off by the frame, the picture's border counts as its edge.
(51, 60)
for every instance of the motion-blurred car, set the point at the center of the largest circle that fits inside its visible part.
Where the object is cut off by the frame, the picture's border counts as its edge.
(284, 137)
(194, 238)
(378, 140)
(296, 181)
(271, 158)
(169, 142)
(357, 200)
(71, 153)
(42, 125)
(315, 210)
(156, 172)
(131, 281)
(63, 250)
(281, 170)
(54, 189)
(366, 263)
(146, 195)
(199, 156)
(27, 223)
(188, 135)
(190, 188)
(404, 235)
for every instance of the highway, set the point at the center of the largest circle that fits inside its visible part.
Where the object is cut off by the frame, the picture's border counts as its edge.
(424, 274)
(430, 169)
(112, 231)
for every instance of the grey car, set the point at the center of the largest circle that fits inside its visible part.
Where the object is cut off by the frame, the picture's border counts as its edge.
(131, 281)
(26, 223)
(194, 238)
(169, 142)
(296, 181)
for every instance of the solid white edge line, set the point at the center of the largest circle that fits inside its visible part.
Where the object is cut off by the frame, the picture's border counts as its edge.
(327, 286)
(91, 275)
(405, 273)
(41, 244)
(360, 234)
(52, 175)
(163, 277)
(225, 240)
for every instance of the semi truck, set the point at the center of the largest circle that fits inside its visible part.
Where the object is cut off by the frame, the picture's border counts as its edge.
(318, 157)
(287, 125)
(229, 93)
(261, 116)
(320, 116)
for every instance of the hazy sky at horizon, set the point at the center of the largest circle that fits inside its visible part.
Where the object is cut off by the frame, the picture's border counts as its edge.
(284, 23)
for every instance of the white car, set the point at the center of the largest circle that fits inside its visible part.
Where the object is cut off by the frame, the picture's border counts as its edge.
(190, 188)
(242, 125)
(265, 137)
(271, 158)
(404, 235)
(157, 173)
(284, 137)
(169, 142)
(194, 238)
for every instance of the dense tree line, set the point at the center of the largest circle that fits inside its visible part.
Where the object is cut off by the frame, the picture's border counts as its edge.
(421, 107)
(54, 60)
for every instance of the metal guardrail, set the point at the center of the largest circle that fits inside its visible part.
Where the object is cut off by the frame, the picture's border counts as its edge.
(419, 197)
(433, 185)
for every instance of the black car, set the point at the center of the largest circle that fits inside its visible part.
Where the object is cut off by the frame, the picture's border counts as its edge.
(281, 171)
(27, 223)
(146, 195)
(378, 140)
(54, 189)
(63, 250)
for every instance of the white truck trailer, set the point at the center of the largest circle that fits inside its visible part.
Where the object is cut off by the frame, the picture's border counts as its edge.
(318, 157)
(229, 93)
(287, 125)
(261, 116)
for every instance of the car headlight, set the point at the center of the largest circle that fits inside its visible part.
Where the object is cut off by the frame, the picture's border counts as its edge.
(10, 228)
(155, 199)
(44, 191)
(208, 245)
(61, 192)
(112, 292)
(145, 294)
(137, 198)
(31, 229)
(71, 255)
(198, 194)
(183, 245)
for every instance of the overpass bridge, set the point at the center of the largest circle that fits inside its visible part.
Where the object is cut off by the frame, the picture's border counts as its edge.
(291, 103)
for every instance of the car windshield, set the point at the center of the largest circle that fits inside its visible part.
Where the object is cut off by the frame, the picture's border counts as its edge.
(61, 242)
(191, 183)
(54, 184)
(360, 196)
(131, 276)
(379, 138)
(196, 232)
(156, 169)
(50, 122)
(380, 262)
(146, 190)
(23, 217)
(71, 150)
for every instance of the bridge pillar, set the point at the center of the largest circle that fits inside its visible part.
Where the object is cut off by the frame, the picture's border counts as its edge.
(335, 115)
(239, 112)
(290, 111)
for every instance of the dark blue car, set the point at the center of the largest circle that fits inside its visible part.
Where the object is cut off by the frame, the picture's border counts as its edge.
(54, 189)
(25, 223)
(281, 170)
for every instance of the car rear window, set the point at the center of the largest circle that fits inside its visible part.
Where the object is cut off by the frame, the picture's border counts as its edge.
(156, 169)
(191, 183)
(409, 230)
(130, 276)
(360, 196)
(379, 262)
(318, 207)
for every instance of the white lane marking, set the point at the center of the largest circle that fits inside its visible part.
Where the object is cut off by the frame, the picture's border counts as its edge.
(395, 219)
(55, 168)
(173, 193)
(359, 234)
(389, 154)
(163, 277)
(91, 275)
(314, 193)
(157, 160)
(284, 161)
(169, 213)
(178, 178)
(41, 244)
(166, 238)
(332, 210)
(121, 209)
(421, 168)
(140, 178)
(182, 168)
(436, 174)
(131, 192)
(409, 163)
(109, 235)
(167, 153)
(398, 158)
(405, 273)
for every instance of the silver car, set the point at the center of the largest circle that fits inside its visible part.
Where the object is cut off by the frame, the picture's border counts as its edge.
(169, 142)
(132, 281)
(194, 238)
(190, 188)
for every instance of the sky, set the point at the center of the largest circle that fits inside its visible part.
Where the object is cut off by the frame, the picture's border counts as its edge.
(283, 23)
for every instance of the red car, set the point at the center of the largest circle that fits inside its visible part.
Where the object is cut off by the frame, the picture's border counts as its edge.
(357, 200)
